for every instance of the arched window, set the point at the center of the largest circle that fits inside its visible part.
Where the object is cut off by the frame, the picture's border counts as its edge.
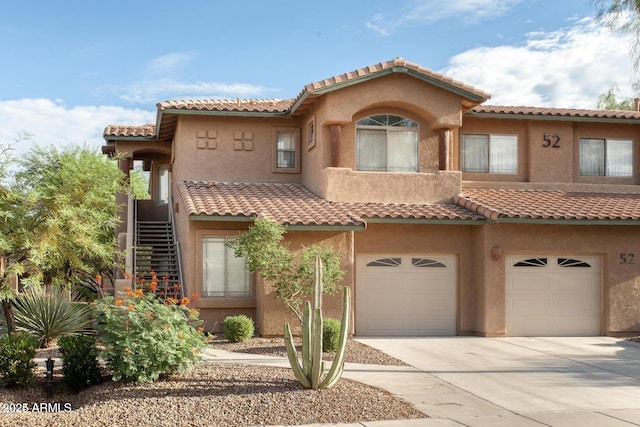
(387, 143)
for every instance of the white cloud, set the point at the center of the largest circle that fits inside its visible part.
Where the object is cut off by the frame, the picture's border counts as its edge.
(429, 11)
(568, 68)
(170, 62)
(152, 91)
(51, 122)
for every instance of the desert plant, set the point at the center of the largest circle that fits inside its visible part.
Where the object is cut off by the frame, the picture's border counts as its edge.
(237, 328)
(144, 338)
(16, 358)
(330, 335)
(310, 369)
(50, 313)
(80, 367)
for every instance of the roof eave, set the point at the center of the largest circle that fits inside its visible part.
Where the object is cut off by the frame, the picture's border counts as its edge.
(387, 71)
(550, 117)
(224, 113)
(114, 138)
(292, 227)
(550, 221)
(425, 221)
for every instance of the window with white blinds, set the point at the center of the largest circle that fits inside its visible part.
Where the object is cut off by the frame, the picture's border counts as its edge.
(606, 157)
(490, 154)
(387, 143)
(223, 274)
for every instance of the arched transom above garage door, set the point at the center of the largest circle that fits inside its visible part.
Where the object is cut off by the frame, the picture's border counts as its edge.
(406, 295)
(553, 295)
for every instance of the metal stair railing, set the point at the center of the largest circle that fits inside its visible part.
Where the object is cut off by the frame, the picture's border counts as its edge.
(176, 245)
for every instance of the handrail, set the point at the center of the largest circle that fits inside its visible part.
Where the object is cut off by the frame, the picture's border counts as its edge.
(134, 267)
(176, 245)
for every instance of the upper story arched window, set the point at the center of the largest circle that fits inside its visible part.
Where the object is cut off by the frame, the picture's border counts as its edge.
(387, 143)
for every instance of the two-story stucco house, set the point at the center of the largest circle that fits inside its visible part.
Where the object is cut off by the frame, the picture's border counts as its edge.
(451, 217)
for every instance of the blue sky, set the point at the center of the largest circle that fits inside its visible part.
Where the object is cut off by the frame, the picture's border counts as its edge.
(70, 68)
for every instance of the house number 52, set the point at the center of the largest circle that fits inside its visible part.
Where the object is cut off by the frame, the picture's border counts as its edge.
(552, 141)
(628, 258)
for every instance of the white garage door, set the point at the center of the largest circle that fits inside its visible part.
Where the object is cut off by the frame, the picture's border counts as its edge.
(406, 295)
(553, 295)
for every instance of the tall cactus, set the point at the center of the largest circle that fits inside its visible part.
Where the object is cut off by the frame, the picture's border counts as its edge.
(310, 368)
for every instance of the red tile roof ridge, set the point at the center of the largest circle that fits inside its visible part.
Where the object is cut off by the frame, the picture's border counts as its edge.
(240, 104)
(381, 66)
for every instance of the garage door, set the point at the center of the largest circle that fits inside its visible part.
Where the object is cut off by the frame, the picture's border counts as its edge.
(553, 295)
(406, 295)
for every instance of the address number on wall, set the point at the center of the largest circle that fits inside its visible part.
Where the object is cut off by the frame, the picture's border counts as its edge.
(551, 140)
(627, 258)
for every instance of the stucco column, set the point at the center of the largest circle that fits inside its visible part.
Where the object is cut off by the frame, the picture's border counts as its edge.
(336, 132)
(124, 210)
(443, 149)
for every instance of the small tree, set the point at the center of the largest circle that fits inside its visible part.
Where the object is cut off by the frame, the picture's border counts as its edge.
(57, 217)
(291, 275)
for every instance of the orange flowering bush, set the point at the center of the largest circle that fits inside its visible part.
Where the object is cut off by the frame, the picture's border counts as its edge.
(144, 337)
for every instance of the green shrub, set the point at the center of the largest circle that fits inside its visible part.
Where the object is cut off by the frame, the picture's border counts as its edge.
(330, 335)
(80, 367)
(237, 328)
(49, 314)
(16, 358)
(144, 338)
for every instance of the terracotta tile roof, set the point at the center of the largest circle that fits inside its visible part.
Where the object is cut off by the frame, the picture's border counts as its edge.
(293, 204)
(412, 211)
(145, 131)
(235, 105)
(284, 106)
(388, 65)
(542, 112)
(288, 204)
(550, 205)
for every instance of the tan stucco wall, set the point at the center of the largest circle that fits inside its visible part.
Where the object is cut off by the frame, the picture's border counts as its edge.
(233, 149)
(272, 312)
(541, 164)
(620, 284)
(346, 185)
(241, 149)
(268, 312)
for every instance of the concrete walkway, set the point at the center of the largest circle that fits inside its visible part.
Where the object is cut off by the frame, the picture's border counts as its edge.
(473, 381)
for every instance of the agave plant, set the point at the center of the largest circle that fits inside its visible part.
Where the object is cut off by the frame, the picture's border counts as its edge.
(51, 313)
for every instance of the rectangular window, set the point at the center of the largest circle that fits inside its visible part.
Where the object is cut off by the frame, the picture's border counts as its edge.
(287, 150)
(391, 150)
(311, 134)
(223, 274)
(490, 154)
(606, 157)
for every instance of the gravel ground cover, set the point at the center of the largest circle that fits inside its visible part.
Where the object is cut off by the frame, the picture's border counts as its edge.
(356, 351)
(214, 394)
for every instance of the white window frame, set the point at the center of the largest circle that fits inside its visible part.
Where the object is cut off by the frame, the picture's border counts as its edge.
(386, 125)
(236, 281)
(277, 150)
(311, 133)
(489, 162)
(163, 182)
(606, 167)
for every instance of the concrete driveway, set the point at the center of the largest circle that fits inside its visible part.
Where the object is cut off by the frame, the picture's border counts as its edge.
(518, 381)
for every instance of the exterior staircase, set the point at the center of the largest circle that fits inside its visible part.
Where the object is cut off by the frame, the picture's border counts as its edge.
(156, 258)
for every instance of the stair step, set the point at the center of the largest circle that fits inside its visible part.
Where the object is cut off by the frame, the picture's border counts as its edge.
(156, 251)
